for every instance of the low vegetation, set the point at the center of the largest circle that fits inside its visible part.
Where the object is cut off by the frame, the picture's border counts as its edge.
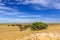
(33, 26)
(39, 26)
(9, 32)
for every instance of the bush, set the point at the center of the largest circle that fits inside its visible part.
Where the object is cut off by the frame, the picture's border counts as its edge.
(39, 26)
(8, 25)
(13, 25)
(20, 27)
(27, 26)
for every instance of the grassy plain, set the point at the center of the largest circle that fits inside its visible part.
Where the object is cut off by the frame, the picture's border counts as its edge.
(13, 32)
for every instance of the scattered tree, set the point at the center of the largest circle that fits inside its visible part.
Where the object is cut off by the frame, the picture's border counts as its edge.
(13, 25)
(39, 26)
(33, 26)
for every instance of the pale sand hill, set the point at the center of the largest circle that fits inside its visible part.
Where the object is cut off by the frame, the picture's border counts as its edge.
(13, 33)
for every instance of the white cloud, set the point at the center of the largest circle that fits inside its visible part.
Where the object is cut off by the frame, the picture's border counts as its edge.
(4, 11)
(19, 20)
(27, 16)
(10, 20)
(0, 0)
(49, 20)
(40, 2)
(36, 7)
(7, 8)
(57, 5)
(1, 4)
(9, 11)
(53, 4)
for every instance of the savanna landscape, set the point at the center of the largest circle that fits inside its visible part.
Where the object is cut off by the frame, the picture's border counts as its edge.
(13, 32)
(29, 19)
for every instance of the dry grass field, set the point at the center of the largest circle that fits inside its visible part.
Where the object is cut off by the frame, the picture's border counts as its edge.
(14, 33)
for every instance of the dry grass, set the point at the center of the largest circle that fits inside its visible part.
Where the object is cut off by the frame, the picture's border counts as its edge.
(13, 33)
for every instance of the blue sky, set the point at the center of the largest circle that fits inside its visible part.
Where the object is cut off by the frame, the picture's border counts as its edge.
(27, 11)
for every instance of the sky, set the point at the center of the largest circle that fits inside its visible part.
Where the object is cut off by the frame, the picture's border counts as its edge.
(28, 11)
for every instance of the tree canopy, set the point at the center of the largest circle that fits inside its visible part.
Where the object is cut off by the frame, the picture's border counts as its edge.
(39, 26)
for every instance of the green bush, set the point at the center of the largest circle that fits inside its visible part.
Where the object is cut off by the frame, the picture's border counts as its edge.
(26, 26)
(23, 27)
(39, 26)
(13, 25)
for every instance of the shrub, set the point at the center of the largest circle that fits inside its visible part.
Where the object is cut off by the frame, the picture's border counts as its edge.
(27, 26)
(23, 27)
(13, 25)
(20, 27)
(8, 25)
(33, 28)
(39, 26)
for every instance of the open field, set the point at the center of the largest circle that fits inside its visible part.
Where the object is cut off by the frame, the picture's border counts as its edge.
(14, 33)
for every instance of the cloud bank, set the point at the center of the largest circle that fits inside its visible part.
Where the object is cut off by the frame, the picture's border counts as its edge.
(48, 4)
(52, 4)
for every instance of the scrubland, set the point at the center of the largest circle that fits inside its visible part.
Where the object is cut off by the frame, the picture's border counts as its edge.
(14, 33)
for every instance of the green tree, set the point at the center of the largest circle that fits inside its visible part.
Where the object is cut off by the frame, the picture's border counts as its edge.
(39, 26)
